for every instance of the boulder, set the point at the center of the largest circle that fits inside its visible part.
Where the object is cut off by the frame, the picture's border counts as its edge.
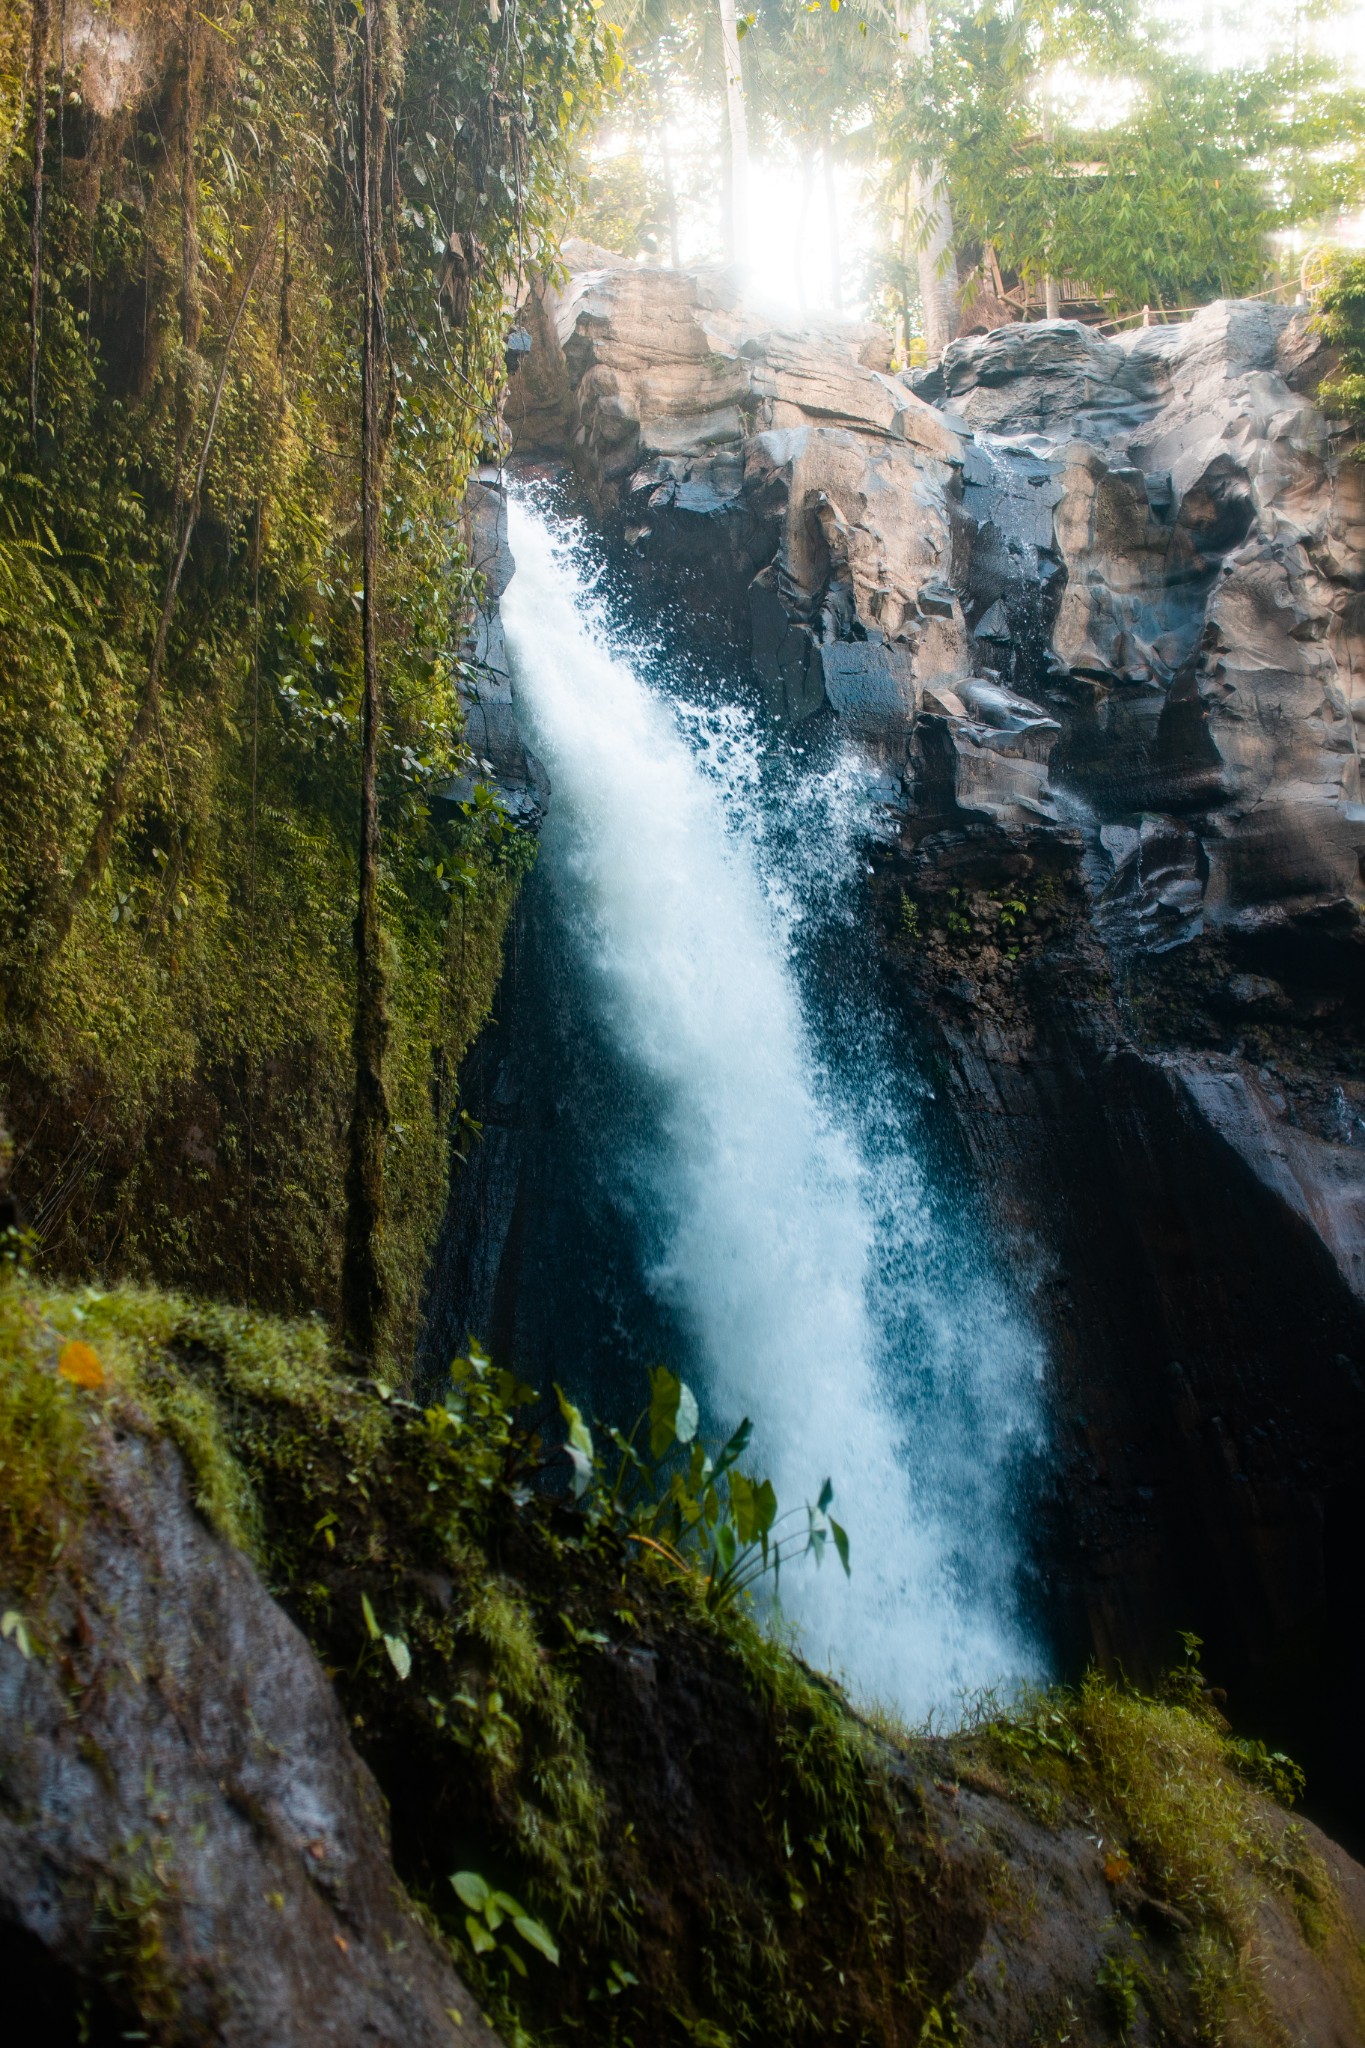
(186, 1833)
(499, 755)
(810, 492)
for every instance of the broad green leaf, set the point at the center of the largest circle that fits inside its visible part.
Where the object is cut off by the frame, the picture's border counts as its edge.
(742, 1507)
(840, 1544)
(471, 1889)
(400, 1656)
(12, 1627)
(826, 1496)
(673, 1413)
(371, 1624)
(579, 1445)
(538, 1936)
(480, 1940)
(664, 1390)
(688, 1416)
(735, 1449)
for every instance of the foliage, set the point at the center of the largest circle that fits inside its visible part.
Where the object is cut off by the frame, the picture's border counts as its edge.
(1117, 1979)
(489, 1910)
(1090, 139)
(701, 1514)
(44, 1464)
(1341, 317)
(178, 1066)
(494, 1640)
(1180, 1809)
(624, 204)
(1156, 178)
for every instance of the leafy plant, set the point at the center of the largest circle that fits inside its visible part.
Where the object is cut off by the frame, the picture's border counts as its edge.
(1117, 1981)
(1268, 1769)
(1341, 318)
(489, 1911)
(1161, 191)
(207, 979)
(699, 1512)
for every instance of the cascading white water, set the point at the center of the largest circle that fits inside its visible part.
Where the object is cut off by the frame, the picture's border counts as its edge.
(790, 1228)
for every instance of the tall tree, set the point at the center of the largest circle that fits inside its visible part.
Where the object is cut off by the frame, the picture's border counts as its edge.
(737, 129)
(1078, 138)
(42, 29)
(931, 203)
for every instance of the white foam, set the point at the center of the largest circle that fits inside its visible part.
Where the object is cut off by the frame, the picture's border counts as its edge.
(824, 1298)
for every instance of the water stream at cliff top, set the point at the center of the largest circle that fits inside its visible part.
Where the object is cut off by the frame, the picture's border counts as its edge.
(750, 1134)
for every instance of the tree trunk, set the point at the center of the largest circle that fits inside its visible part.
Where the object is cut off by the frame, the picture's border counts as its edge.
(42, 30)
(836, 282)
(936, 262)
(670, 192)
(364, 1293)
(938, 283)
(803, 216)
(1052, 298)
(737, 236)
(191, 310)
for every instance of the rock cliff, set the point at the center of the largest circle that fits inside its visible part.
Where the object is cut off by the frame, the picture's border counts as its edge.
(1098, 607)
(720, 1850)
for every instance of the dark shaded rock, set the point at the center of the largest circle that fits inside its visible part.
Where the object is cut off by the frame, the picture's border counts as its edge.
(1193, 1229)
(491, 729)
(185, 1831)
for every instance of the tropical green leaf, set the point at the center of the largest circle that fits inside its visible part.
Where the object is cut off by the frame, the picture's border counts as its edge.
(471, 1889)
(539, 1937)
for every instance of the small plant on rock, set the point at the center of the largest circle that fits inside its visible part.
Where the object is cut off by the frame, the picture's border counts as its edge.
(489, 1912)
(699, 1512)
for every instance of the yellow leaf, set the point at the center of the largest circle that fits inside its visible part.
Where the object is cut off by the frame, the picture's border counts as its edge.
(80, 1363)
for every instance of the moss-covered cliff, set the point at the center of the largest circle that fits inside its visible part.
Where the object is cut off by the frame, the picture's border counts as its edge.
(665, 1827)
(181, 604)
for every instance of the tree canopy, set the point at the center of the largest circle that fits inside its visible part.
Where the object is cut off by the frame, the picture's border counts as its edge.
(1099, 140)
(1079, 139)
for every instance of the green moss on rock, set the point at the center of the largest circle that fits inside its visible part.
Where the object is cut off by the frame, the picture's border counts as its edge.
(717, 1846)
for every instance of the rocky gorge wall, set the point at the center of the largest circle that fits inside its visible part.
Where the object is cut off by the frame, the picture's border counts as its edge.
(1098, 607)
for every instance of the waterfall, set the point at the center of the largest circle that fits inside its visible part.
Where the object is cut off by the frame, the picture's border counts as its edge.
(767, 1153)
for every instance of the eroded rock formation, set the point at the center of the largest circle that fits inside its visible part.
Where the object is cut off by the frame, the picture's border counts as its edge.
(1099, 606)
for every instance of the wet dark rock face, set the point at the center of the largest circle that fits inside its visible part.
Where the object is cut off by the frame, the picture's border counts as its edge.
(1100, 607)
(188, 1841)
